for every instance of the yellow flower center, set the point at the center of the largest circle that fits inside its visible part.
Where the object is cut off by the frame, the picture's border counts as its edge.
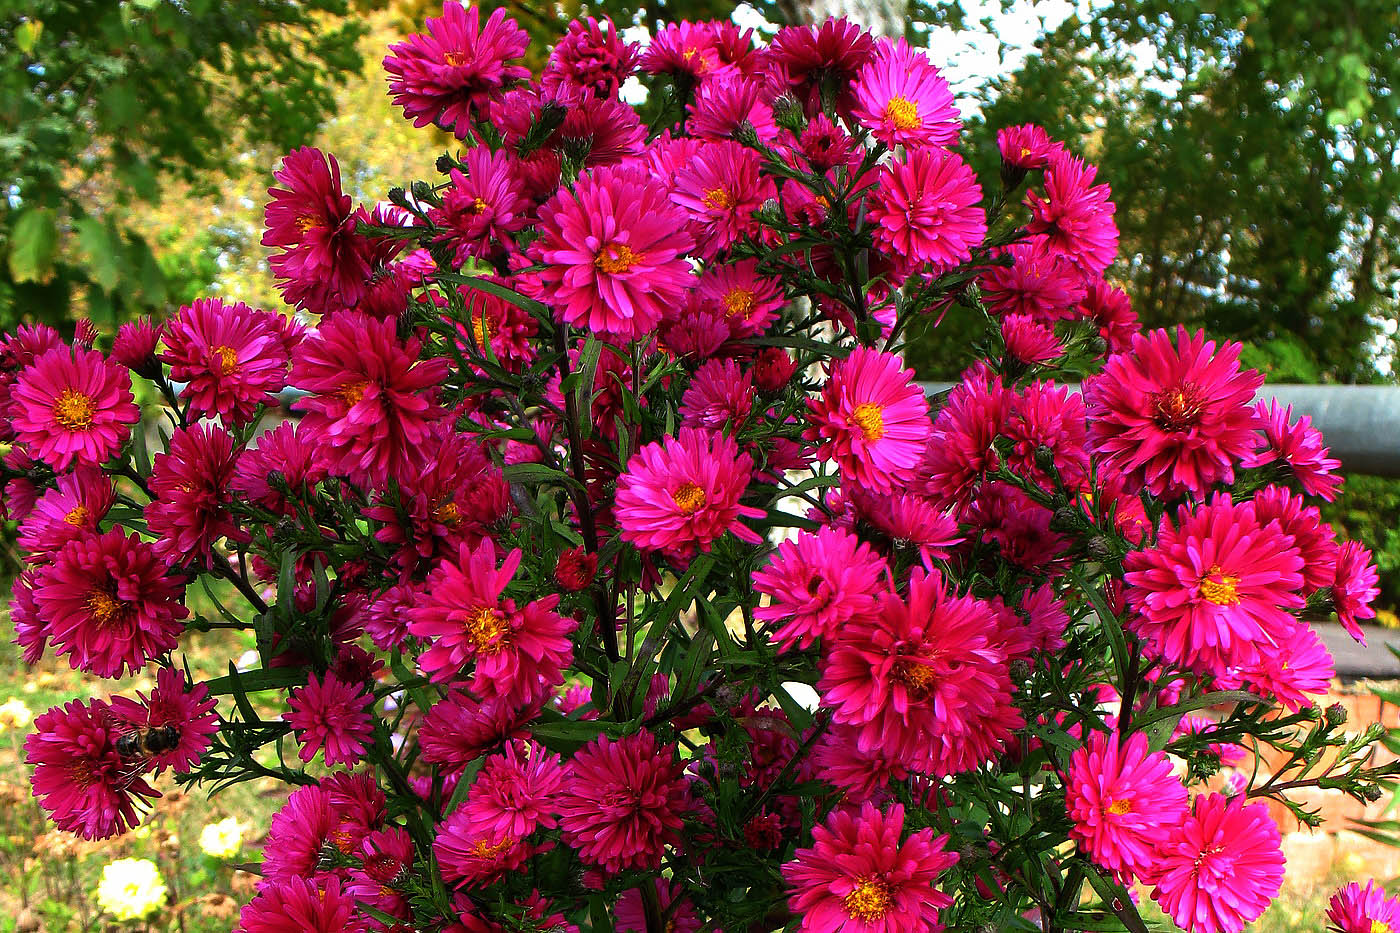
(1025, 152)
(738, 302)
(902, 112)
(1219, 588)
(74, 410)
(447, 513)
(867, 416)
(869, 900)
(78, 517)
(1119, 807)
(1378, 926)
(308, 222)
(104, 607)
(486, 630)
(490, 850)
(915, 675)
(455, 59)
(689, 498)
(719, 199)
(226, 361)
(352, 392)
(483, 329)
(616, 258)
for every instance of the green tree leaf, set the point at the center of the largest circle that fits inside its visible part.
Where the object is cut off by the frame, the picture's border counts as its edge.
(33, 243)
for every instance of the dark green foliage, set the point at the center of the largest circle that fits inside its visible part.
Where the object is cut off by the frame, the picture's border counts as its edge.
(104, 103)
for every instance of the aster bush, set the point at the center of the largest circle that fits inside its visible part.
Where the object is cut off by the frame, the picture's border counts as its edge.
(614, 573)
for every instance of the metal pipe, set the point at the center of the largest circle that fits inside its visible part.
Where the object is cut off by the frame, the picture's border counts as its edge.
(1361, 424)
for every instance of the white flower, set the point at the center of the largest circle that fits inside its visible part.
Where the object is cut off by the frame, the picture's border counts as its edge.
(223, 839)
(131, 889)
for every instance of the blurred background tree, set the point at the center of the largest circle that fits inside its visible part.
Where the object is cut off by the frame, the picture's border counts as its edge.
(106, 104)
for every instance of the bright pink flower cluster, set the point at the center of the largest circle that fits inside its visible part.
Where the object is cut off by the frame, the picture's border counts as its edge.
(603, 563)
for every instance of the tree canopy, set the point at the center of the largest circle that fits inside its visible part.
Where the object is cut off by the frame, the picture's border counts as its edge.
(1251, 146)
(103, 104)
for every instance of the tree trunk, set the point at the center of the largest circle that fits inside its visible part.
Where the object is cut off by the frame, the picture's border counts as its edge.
(881, 17)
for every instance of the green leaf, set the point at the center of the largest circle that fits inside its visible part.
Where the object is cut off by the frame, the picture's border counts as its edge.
(268, 678)
(1116, 899)
(27, 35)
(101, 252)
(33, 243)
(1159, 724)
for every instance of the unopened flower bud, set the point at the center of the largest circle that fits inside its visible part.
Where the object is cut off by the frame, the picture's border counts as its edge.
(1336, 715)
(1099, 548)
(422, 191)
(1065, 518)
(397, 195)
(1045, 458)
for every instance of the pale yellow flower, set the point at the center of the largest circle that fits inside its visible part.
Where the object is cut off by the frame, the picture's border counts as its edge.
(223, 839)
(14, 714)
(131, 889)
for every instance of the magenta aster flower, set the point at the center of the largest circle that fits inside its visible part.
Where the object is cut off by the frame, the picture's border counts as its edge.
(623, 802)
(1221, 868)
(720, 189)
(109, 605)
(1029, 342)
(459, 729)
(926, 209)
(606, 130)
(872, 419)
(475, 856)
(861, 875)
(591, 57)
(1040, 284)
(86, 787)
(191, 487)
(1044, 414)
(1294, 668)
(331, 715)
(1354, 588)
(1313, 537)
(960, 451)
(481, 209)
(900, 519)
(1123, 800)
(371, 400)
(723, 104)
(749, 302)
(302, 905)
(1173, 414)
(285, 451)
(514, 792)
(508, 329)
(808, 59)
(297, 835)
(1110, 308)
(1026, 146)
(684, 48)
(228, 356)
(613, 250)
(719, 395)
(1214, 586)
(519, 652)
(323, 263)
(447, 75)
(818, 583)
(135, 346)
(1298, 445)
(73, 406)
(31, 632)
(74, 507)
(925, 679)
(903, 100)
(1359, 908)
(173, 702)
(683, 492)
(629, 916)
(1075, 214)
(825, 145)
